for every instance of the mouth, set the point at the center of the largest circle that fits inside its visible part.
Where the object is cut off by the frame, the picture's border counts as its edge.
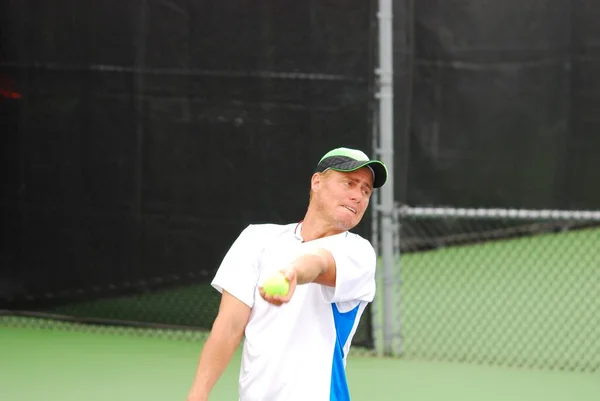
(349, 208)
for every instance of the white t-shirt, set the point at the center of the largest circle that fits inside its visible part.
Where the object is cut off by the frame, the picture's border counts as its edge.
(297, 352)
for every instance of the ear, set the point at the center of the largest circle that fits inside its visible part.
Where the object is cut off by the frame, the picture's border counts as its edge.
(315, 181)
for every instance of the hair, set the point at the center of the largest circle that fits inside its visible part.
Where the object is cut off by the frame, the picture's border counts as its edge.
(323, 174)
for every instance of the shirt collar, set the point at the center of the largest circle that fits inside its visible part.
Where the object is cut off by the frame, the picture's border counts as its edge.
(298, 231)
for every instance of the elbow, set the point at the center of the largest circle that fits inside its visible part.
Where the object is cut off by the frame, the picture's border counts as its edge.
(327, 275)
(229, 329)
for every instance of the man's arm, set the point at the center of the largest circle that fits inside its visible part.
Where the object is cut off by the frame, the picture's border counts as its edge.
(225, 336)
(317, 266)
(345, 274)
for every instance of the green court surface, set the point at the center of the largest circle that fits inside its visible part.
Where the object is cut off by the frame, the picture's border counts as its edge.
(63, 365)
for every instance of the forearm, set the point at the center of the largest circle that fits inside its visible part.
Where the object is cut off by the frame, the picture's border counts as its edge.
(215, 356)
(310, 266)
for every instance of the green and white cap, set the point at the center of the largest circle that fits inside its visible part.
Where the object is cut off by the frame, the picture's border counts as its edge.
(346, 159)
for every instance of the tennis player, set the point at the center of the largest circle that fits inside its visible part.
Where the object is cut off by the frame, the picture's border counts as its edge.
(296, 346)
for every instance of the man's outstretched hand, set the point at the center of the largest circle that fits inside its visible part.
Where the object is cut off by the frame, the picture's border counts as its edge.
(278, 300)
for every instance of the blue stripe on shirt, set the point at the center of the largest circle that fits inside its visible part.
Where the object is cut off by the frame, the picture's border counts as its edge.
(344, 322)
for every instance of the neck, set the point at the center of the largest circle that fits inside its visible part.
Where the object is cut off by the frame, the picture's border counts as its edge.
(315, 227)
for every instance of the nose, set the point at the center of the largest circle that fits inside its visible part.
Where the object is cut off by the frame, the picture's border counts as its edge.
(356, 195)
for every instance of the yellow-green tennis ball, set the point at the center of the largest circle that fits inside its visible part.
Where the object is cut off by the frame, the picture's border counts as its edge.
(276, 285)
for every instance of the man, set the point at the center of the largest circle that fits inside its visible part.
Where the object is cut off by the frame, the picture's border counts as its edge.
(296, 345)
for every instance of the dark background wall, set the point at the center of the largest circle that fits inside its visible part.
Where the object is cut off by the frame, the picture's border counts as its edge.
(496, 103)
(148, 134)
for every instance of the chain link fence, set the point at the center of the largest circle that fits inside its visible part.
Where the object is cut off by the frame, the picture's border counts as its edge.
(182, 313)
(185, 313)
(499, 287)
(513, 288)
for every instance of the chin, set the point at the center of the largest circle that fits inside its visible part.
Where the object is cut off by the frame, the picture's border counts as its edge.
(345, 224)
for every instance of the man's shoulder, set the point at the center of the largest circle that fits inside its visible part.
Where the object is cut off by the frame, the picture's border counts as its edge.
(357, 238)
(350, 243)
(269, 229)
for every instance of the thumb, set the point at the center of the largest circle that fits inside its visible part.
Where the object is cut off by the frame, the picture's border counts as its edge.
(289, 274)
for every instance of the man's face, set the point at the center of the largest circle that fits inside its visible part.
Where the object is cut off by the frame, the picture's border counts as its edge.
(343, 198)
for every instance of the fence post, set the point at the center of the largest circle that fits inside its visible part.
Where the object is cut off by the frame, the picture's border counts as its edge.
(398, 340)
(386, 150)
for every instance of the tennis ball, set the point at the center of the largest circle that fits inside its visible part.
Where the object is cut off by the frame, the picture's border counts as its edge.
(276, 285)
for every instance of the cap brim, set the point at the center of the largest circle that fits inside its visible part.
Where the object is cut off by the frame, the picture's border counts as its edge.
(378, 168)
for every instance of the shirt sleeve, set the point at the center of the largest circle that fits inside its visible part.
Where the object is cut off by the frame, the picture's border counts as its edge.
(238, 273)
(355, 264)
